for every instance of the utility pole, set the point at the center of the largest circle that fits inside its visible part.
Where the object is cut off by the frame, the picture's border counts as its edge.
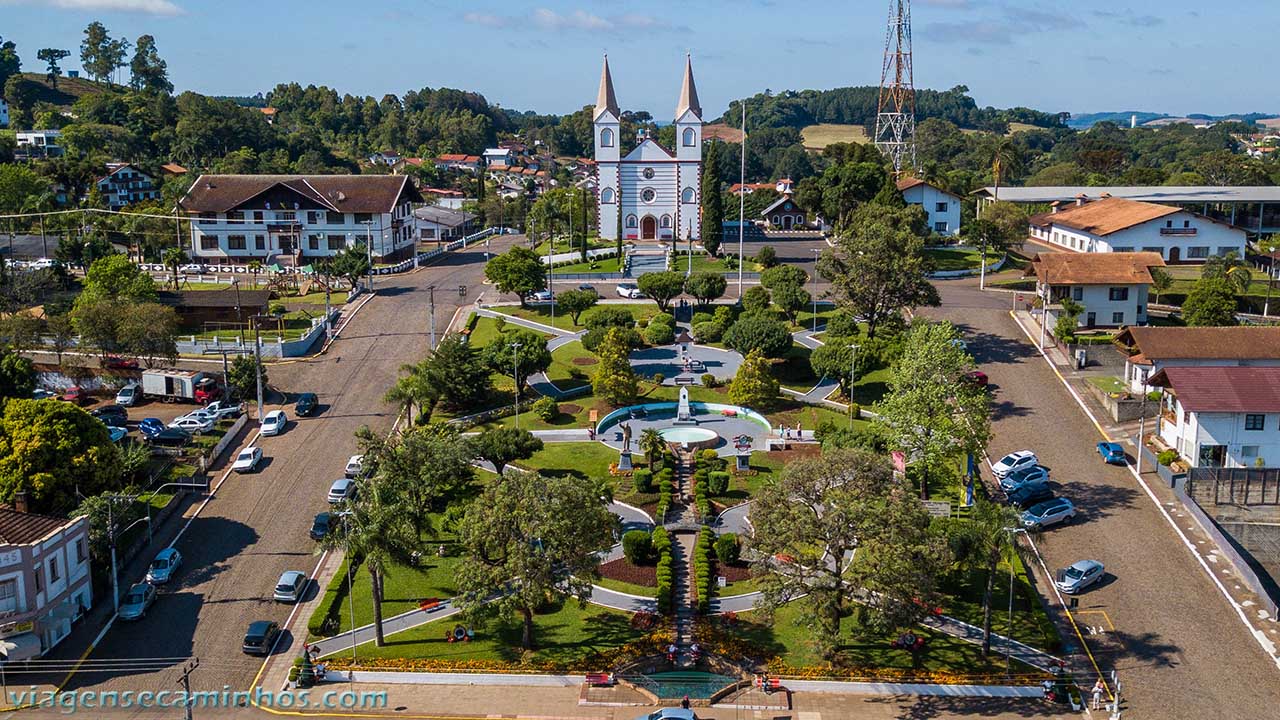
(257, 361)
(1044, 308)
(431, 295)
(368, 247)
(742, 196)
(816, 252)
(515, 364)
(1142, 423)
(185, 682)
(896, 112)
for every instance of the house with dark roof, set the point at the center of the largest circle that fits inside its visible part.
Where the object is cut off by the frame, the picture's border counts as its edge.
(124, 185)
(45, 584)
(1151, 349)
(293, 219)
(1112, 225)
(784, 214)
(197, 309)
(942, 206)
(1221, 416)
(438, 223)
(1113, 287)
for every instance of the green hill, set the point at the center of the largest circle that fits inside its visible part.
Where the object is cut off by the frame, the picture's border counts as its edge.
(69, 89)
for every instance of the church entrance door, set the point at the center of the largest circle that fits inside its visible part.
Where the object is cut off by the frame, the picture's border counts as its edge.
(648, 228)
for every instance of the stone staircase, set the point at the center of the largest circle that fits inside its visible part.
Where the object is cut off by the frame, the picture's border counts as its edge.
(684, 536)
(647, 261)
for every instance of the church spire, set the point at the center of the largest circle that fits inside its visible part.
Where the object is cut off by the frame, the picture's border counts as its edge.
(688, 92)
(605, 99)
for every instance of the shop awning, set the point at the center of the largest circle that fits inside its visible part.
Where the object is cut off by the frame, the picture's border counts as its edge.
(17, 648)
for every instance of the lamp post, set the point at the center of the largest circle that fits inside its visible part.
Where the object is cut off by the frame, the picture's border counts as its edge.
(1142, 423)
(515, 364)
(235, 283)
(1271, 267)
(1008, 643)
(351, 604)
(742, 197)
(688, 233)
(816, 252)
(368, 247)
(853, 377)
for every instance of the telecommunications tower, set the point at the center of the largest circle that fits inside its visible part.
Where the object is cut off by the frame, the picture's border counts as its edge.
(896, 113)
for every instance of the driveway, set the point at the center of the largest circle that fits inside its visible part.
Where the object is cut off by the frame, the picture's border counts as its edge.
(1158, 620)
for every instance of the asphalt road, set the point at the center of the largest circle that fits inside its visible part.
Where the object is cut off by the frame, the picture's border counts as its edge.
(256, 526)
(1178, 646)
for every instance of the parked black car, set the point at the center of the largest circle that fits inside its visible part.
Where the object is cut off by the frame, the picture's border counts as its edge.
(1030, 493)
(170, 437)
(321, 525)
(307, 403)
(260, 636)
(111, 415)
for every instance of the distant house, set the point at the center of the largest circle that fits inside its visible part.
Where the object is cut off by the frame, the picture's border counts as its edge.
(34, 144)
(403, 164)
(784, 214)
(458, 161)
(1114, 224)
(124, 185)
(1152, 349)
(1113, 288)
(748, 188)
(230, 307)
(436, 223)
(173, 170)
(942, 206)
(293, 218)
(1221, 416)
(45, 584)
(270, 114)
(384, 157)
(499, 156)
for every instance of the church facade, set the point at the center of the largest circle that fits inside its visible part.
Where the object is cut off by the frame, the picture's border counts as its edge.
(651, 193)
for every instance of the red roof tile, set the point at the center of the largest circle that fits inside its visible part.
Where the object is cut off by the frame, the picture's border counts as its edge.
(1223, 389)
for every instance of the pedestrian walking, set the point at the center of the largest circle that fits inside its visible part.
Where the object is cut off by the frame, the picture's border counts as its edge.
(1098, 689)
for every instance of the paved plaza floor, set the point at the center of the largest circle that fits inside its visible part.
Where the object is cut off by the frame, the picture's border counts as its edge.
(726, 427)
(723, 364)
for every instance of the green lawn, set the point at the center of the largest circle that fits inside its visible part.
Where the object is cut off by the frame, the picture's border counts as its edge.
(628, 588)
(794, 371)
(486, 331)
(1030, 623)
(579, 459)
(542, 314)
(296, 324)
(562, 245)
(564, 634)
(1108, 383)
(565, 373)
(403, 587)
(809, 416)
(598, 265)
(949, 259)
(336, 298)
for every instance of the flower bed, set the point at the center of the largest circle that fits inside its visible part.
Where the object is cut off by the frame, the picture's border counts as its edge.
(622, 569)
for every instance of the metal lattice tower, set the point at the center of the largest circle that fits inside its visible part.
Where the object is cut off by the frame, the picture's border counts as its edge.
(896, 112)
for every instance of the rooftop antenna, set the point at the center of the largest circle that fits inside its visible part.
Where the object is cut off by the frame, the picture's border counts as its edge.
(896, 113)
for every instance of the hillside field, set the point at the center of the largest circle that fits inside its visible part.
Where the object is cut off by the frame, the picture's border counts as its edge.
(69, 89)
(817, 137)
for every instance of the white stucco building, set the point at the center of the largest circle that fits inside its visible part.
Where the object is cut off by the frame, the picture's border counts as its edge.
(1221, 416)
(1151, 349)
(1119, 225)
(654, 191)
(44, 579)
(1113, 288)
(943, 207)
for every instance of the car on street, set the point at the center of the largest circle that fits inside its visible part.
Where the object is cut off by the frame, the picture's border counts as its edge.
(540, 296)
(247, 460)
(274, 422)
(1013, 461)
(137, 600)
(307, 404)
(164, 566)
(1050, 512)
(42, 394)
(321, 526)
(117, 433)
(341, 490)
(192, 269)
(355, 464)
(1112, 453)
(589, 289)
(290, 587)
(260, 637)
(129, 395)
(193, 424)
(222, 409)
(1079, 576)
(1028, 494)
(670, 714)
(629, 290)
(150, 426)
(115, 362)
(1022, 476)
(75, 394)
(170, 437)
(41, 264)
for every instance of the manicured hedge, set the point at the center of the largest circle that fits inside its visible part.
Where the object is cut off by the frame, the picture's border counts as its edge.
(702, 569)
(662, 549)
(324, 621)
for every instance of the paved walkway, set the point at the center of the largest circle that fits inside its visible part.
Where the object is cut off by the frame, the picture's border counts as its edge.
(826, 386)
(999, 643)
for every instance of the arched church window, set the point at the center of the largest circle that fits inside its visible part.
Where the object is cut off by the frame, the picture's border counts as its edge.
(632, 221)
(690, 137)
(687, 195)
(606, 195)
(666, 221)
(606, 138)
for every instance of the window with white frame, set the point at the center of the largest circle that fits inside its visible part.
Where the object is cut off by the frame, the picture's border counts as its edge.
(1118, 294)
(1224, 249)
(940, 226)
(606, 196)
(606, 138)
(337, 242)
(665, 222)
(208, 242)
(1077, 293)
(1255, 422)
(1117, 318)
(54, 575)
(690, 137)
(632, 221)
(235, 242)
(9, 596)
(940, 207)
(1198, 251)
(688, 195)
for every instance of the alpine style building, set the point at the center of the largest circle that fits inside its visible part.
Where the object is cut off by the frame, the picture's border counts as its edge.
(652, 192)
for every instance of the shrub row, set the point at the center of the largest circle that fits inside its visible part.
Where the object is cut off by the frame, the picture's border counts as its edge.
(702, 569)
(666, 489)
(637, 546)
(661, 544)
(324, 622)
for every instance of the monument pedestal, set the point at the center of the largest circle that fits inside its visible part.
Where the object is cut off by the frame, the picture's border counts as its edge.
(624, 461)
(744, 462)
(684, 415)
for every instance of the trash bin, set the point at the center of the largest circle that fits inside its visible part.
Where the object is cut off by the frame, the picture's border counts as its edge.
(1082, 358)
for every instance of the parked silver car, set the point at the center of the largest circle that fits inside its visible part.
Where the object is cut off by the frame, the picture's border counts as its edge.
(1022, 476)
(1049, 512)
(1079, 576)
(164, 566)
(291, 586)
(135, 603)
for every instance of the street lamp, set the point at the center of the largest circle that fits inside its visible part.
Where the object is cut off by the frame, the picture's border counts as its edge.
(368, 247)
(1271, 267)
(1008, 642)
(816, 252)
(515, 364)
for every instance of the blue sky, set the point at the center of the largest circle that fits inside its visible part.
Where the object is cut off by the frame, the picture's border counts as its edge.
(1173, 56)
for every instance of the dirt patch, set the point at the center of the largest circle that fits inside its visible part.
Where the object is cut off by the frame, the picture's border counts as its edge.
(623, 570)
(585, 361)
(734, 573)
(570, 408)
(796, 452)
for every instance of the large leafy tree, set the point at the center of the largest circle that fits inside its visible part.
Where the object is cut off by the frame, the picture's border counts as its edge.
(614, 380)
(10, 63)
(529, 539)
(1001, 226)
(576, 302)
(791, 299)
(754, 386)
(51, 57)
(100, 54)
(878, 268)
(351, 264)
(17, 375)
(518, 354)
(456, 375)
(761, 332)
(1230, 267)
(149, 331)
(411, 390)
(706, 286)
(931, 413)
(833, 528)
(1210, 303)
(663, 287)
(148, 71)
(519, 271)
(712, 230)
(18, 183)
(116, 277)
(503, 445)
(985, 541)
(242, 376)
(53, 451)
(425, 468)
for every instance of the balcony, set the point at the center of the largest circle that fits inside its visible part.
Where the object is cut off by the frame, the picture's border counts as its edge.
(1183, 232)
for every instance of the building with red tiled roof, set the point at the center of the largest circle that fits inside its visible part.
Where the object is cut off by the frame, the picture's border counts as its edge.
(1113, 224)
(1151, 349)
(1112, 287)
(1221, 416)
(942, 206)
(45, 584)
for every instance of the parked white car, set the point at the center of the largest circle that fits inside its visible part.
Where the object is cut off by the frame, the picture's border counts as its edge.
(1013, 461)
(40, 264)
(193, 424)
(247, 460)
(291, 586)
(274, 422)
(629, 290)
(222, 409)
(192, 269)
(129, 395)
(355, 464)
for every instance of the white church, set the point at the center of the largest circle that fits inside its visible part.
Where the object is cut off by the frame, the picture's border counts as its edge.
(652, 190)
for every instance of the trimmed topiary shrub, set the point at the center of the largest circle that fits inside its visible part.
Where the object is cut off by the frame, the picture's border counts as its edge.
(727, 548)
(660, 333)
(708, 332)
(637, 546)
(642, 480)
(663, 319)
(709, 380)
(702, 317)
(718, 483)
(546, 408)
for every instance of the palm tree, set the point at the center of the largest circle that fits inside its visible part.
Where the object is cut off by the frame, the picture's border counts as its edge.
(652, 445)
(411, 389)
(255, 267)
(1006, 157)
(173, 258)
(1230, 267)
(991, 538)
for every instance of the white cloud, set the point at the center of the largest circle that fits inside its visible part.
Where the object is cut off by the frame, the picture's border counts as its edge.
(149, 7)
(486, 19)
(577, 20)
